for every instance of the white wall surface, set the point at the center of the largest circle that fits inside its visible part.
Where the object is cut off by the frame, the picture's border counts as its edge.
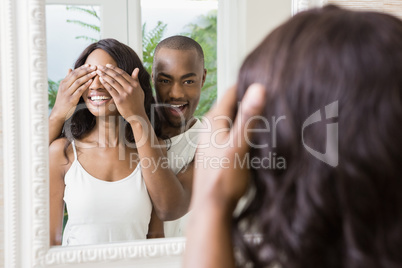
(242, 24)
(262, 17)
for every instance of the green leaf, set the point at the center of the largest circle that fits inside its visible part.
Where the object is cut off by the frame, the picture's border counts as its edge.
(53, 87)
(87, 38)
(90, 12)
(204, 31)
(85, 25)
(149, 42)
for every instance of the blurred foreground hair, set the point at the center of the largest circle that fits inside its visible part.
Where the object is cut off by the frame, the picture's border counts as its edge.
(311, 214)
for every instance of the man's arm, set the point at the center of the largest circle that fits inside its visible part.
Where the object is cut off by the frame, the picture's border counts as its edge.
(155, 227)
(170, 193)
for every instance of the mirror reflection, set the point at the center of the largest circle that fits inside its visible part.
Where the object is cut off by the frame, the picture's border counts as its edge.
(121, 160)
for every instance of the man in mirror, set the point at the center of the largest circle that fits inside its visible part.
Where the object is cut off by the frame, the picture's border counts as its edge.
(178, 74)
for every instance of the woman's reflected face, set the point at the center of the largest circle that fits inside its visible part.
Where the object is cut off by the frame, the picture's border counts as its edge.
(96, 97)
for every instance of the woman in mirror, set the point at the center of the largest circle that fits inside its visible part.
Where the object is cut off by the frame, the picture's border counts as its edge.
(339, 208)
(95, 168)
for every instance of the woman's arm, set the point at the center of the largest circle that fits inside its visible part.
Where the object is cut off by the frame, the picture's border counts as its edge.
(218, 189)
(57, 163)
(209, 242)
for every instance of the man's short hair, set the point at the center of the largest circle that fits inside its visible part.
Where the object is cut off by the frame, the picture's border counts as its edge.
(180, 42)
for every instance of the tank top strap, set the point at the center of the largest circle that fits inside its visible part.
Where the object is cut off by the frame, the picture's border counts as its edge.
(75, 150)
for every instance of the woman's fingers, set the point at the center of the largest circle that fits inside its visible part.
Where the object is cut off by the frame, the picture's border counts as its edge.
(226, 105)
(227, 145)
(110, 81)
(71, 89)
(111, 89)
(80, 90)
(78, 77)
(135, 73)
(124, 89)
(116, 76)
(81, 81)
(247, 116)
(220, 119)
(223, 114)
(120, 73)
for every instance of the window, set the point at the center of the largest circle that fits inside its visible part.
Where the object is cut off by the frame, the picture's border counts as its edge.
(73, 24)
(198, 20)
(70, 29)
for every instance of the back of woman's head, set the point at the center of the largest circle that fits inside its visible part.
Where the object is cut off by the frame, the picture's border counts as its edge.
(335, 199)
(82, 120)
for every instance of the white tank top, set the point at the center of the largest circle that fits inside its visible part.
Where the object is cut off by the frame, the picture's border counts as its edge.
(100, 211)
(181, 152)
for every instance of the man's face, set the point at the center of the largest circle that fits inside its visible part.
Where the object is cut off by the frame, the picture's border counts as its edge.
(178, 77)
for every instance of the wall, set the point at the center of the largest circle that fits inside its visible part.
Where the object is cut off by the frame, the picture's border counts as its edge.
(242, 24)
(1, 191)
(262, 17)
(1, 186)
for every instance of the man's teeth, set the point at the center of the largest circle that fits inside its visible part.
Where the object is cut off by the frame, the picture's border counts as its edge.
(177, 105)
(98, 98)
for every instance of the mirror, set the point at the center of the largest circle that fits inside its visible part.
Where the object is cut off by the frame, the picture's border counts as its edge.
(24, 138)
(83, 24)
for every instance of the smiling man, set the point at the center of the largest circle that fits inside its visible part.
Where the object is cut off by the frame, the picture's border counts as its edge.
(178, 74)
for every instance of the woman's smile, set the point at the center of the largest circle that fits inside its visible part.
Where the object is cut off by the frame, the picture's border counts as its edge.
(98, 100)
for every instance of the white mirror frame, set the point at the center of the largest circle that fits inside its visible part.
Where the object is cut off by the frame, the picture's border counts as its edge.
(23, 77)
(26, 200)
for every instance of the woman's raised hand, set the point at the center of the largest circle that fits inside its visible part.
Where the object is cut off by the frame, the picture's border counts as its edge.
(218, 181)
(70, 91)
(125, 90)
(225, 184)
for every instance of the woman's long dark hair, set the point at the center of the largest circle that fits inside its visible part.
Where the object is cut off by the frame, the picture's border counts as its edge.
(82, 121)
(310, 213)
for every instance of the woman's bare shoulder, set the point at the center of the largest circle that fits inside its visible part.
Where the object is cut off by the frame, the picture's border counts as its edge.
(57, 151)
(58, 145)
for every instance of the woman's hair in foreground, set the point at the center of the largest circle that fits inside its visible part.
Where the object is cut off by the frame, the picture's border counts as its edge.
(82, 121)
(312, 214)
